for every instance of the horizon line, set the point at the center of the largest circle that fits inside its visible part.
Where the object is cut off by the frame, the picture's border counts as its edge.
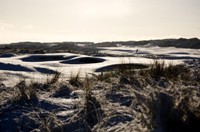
(108, 41)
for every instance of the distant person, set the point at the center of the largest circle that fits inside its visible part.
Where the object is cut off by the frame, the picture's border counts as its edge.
(136, 51)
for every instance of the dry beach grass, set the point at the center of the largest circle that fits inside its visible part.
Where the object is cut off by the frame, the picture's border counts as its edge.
(159, 98)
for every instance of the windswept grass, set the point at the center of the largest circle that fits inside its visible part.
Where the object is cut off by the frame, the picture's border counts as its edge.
(103, 76)
(123, 99)
(75, 79)
(160, 69)
(92, 107)
(176, 113)
(54, 78)
(27, 92)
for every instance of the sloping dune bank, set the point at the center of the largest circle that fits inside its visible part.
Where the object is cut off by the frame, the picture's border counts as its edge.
(155, 99)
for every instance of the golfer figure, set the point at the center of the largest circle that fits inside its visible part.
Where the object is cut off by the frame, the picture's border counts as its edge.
(136, 51)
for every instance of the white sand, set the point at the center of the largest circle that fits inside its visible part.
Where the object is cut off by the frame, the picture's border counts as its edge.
(11, 77)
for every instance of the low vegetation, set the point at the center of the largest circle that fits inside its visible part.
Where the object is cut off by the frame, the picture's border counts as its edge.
(158, 98)
(75, 79)
(54, 78)
(27, 92)
(171, 72)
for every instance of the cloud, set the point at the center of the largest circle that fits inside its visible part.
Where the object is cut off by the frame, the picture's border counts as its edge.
(104, 8)
(28, 27)
(4, 25)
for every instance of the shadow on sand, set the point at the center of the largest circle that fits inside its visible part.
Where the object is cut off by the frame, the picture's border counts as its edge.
(84, 60)
(121, 66)
(168, 57)
(41, 58)
(45, 70)
(12, 67)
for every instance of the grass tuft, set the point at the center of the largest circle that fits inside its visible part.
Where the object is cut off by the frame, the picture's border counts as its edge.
(92, 108)
(27, 92)
(75, 80)
(103, 76)
(160, 69)
(54, 78)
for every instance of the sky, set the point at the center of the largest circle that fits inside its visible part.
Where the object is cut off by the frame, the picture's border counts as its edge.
(97, 20)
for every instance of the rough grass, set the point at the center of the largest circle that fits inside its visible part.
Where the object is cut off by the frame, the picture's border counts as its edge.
(75, 79)
(27, 92)
(53, 79)
(161, 98)
(92, 107)
(103, 76)
(176, 113)
(171, 72)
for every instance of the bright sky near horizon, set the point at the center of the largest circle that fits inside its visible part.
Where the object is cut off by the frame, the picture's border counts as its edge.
(97, 20)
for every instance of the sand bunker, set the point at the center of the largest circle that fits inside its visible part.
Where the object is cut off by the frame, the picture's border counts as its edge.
(180, 53)
(12, 67)
(84, 60)
(45, 70)
(121, 66)
(129, 51)
(168, 57)
(40, 58)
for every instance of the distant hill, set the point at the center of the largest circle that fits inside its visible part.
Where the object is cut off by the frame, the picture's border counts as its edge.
(91, 47)
(37, 47)
(179, 43)
(193, 43)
